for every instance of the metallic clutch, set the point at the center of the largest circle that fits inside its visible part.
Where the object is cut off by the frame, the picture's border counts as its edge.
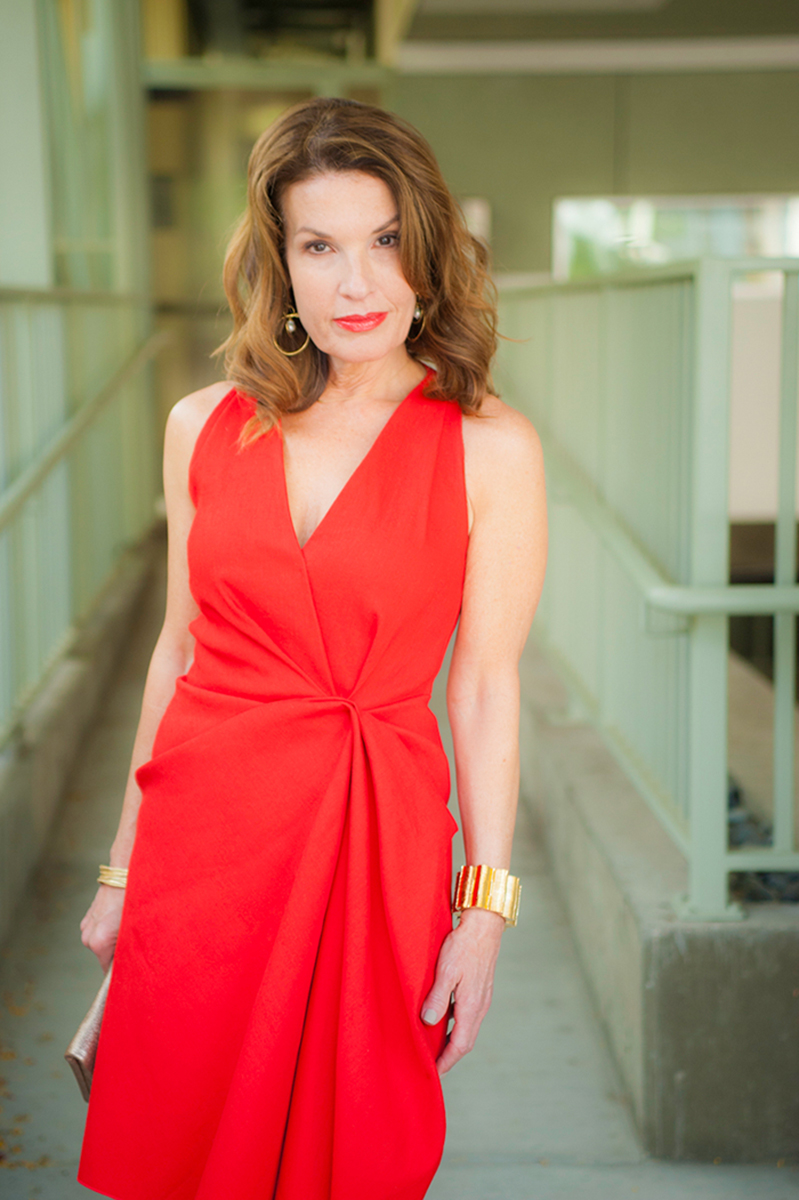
(82, 1050)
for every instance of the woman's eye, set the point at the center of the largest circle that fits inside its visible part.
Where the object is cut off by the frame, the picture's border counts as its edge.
(388, 239)
(316, 247)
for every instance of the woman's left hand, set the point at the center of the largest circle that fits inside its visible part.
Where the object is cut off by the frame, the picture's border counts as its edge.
(465, 969)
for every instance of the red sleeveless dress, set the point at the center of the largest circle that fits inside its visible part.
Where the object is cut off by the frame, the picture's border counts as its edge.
(289, 886)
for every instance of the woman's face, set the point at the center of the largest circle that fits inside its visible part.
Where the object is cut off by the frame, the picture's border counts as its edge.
(342, 253)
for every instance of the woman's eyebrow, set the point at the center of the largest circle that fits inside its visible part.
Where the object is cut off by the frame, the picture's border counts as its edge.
(317, 233)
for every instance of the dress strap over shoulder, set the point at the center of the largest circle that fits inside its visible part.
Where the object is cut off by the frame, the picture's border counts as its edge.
(231, 400)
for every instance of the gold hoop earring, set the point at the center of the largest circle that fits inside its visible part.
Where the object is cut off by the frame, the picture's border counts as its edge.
(290, 325)
(419, 314)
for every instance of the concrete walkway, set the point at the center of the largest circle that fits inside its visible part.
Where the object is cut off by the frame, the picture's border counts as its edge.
(535, 1112)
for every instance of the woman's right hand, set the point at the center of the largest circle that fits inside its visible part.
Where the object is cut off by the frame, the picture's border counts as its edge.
(100, 926)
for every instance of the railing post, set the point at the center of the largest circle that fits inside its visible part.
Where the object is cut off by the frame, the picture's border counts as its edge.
(707, 898)
(684, 756)
(709, 565)
(785, 573)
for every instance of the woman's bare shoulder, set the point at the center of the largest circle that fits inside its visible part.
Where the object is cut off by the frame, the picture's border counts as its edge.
(499, 440)
(187, 417)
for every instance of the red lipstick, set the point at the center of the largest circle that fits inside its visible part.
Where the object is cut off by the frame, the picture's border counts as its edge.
(361, 322)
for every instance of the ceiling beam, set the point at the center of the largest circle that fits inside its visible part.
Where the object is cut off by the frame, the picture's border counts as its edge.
(325, 79)
(599, 55)
(392, 21)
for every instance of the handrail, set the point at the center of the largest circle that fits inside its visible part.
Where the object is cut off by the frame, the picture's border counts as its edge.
(56, 295)
(191, 308)
(14, 496)
(676, 272)
(182, 307)
(656, 589)
(752, 600)
(674, 744)
(673, 272)
(226, 71)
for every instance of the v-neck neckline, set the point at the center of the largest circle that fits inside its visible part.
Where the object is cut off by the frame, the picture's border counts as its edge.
(302, 547)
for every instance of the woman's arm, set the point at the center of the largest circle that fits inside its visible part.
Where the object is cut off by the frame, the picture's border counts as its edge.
(171, 657)
(504, 576)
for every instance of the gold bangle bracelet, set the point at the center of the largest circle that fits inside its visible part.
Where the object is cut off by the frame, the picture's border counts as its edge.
(113, 876)
(492, 888)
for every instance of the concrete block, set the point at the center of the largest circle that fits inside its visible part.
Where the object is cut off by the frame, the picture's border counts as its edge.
(702, 1018)
(722, 1019)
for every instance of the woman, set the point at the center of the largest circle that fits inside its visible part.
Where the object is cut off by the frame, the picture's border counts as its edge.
(284, 962)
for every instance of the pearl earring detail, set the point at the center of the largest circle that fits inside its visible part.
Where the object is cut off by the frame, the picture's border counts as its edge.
(290, 326)
(418, 315)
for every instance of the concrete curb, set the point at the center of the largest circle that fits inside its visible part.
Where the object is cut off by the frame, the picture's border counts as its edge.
(702, 1017)
(36, 763)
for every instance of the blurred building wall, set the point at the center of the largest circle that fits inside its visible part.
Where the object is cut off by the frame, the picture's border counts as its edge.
(199, 144)
(78, 459)
(518, 140)
(522, 140)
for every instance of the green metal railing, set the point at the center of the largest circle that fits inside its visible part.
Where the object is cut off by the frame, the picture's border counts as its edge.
(627, 379)
(78, 467)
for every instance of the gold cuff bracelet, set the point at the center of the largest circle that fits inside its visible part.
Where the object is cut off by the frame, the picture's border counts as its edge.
(492, 888)
(113, 876)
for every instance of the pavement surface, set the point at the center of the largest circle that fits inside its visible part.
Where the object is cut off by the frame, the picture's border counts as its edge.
(536, 1112)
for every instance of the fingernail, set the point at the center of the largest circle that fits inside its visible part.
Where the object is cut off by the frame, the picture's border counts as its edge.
(429, 1016)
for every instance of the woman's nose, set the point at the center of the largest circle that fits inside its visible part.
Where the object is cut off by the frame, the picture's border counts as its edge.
(357, 277)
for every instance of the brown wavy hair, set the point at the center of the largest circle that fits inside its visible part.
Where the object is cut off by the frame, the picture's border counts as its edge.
(444, 264)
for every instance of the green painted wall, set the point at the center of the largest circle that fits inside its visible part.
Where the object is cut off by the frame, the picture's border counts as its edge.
(522, 140)
(713, 133)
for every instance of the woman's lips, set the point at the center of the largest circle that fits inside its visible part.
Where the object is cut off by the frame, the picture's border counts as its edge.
(361, 322)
